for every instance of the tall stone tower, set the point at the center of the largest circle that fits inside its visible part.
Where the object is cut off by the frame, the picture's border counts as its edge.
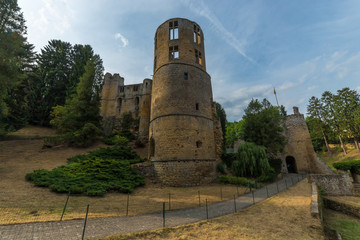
(181, 133)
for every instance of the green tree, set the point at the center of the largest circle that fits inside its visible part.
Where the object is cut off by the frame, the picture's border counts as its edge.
(263, 126)
(346, 103)
(251, 161)
(233, 132)
(79, 119)
(316, 120)
(14, 55)
(221, 114)
(330, 116)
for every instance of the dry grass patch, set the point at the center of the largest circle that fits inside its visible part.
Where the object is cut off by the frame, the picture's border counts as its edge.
(21, 201)
(284, 216)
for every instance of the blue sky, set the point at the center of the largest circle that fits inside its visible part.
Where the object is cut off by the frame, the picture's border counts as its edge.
(300, 47)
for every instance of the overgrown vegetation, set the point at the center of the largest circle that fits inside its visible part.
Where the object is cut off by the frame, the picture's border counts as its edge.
(119, 138)
(234, 180)
(352, 166)
(93, 174)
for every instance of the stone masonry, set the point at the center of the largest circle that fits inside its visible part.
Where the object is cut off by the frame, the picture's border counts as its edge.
(175, 109)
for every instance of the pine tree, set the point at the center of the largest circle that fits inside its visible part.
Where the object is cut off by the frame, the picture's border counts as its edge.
(79, 119)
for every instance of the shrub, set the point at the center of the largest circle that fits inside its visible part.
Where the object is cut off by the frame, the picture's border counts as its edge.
(269, 176)
(234, 180)
(228, 158)
(220, 168)
(117, 153)
(119, 138)
(276, 164)
(353, 166)
(83, 137)
(93, 174)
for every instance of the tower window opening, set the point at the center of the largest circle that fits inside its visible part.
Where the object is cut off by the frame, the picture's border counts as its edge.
(173, 52)
(119, 103)
(198, 144)
(197, 106)
(197, 36)
(137, 100)
(185, 76)
(136, 88)
(174, 30)
(198, 57)
(121, 89)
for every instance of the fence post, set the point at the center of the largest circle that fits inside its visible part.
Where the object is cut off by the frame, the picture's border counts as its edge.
(199, 198)
(253, 197)
(267, 191)
(87, 211)
(163, 214)
(207, 211)
(67, 199)
(169, 201)
(127, 204)
(234, 204)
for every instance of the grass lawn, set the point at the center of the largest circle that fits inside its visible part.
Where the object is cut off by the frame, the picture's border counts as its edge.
(347, 226)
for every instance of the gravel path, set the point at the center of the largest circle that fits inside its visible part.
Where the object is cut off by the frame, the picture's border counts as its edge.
(102, 227)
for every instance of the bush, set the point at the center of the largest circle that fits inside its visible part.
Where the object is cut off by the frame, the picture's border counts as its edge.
(276, 164)
(353, 166)
(270, 176)
(220, 168)
(93, 174)
(234, 180)
(119, 138)
(84, 136)
(117, 153)
(93, 177)
(228, 159)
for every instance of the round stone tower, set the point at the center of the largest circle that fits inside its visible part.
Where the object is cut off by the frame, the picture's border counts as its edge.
(181, 134)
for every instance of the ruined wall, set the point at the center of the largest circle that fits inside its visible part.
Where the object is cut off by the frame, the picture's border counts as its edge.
(300, 147)
(118, 99)
(334, 184)
(182, 142)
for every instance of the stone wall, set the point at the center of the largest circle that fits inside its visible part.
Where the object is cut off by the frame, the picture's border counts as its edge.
(118, 99)
(299, 146)
(185, 172)
(335, 184)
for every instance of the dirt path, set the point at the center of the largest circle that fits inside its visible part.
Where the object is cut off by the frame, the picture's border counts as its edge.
(102, 227)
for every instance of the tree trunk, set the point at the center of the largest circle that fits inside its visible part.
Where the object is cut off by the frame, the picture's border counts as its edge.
(342, 145)
(356, 144)
(327, 145)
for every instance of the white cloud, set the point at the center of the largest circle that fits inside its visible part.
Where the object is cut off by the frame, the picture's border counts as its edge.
(124, 41)
(312, 88)
(201, 9)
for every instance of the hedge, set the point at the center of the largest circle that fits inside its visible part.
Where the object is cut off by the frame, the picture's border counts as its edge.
(352, 166)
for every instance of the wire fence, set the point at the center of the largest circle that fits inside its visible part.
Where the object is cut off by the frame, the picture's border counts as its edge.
(69, 206)
(167, 212)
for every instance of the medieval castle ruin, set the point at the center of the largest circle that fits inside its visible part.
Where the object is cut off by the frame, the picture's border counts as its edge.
(176, 111)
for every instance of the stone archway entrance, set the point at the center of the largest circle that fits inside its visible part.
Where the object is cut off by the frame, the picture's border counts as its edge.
(291, 164)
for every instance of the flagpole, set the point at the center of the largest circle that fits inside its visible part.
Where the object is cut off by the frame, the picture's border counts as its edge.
(276, 97)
